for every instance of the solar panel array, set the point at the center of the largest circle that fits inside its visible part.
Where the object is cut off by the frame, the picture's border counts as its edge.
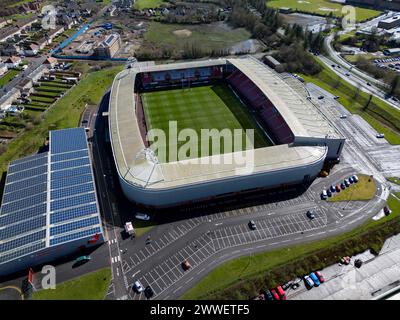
(49, 198)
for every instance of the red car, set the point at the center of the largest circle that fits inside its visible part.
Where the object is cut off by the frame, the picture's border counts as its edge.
(320, 276)
(275, 295)
(281, 293)
(338, 188)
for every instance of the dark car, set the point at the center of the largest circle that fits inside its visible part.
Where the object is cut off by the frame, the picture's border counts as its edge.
(320, 97)
(148, 292)
(329, 193)
(310, 214)
(252, 225)
(386, 210)
(337, 188)
(332, 188)
(358, 263)
(268, 294)
(342, 186)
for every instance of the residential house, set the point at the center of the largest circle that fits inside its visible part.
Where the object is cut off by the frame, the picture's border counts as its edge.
(50, 62)
(13, 62)
(3, 69)
(25, 86)
(7, 99)
(9, 49)
(36, 74)
(31, 50)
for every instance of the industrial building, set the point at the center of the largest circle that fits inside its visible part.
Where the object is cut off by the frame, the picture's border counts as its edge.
(109, 47)
(49, 207)
(304, 137)
(389, 23)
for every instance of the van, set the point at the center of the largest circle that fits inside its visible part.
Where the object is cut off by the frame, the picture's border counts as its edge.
(324, 195)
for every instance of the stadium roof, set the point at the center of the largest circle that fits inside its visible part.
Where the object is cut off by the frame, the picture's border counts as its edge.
(49, 198)
(128, 145)
(303, 118)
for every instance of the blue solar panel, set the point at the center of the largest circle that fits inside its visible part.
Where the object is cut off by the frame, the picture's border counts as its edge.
(73, 236)
(26, 174)
(29, 164)
(30, 158)
(19, 242)
(23, 227)
(67, 140)
(73, 213)
(70, 164)
(68, 227)
(22, 252)
(22, 215)
(74, 190)
(71, 181)
(16, 186)
(24, 203)
(24, 193)
(73, 201)
(70, 172)
(69, 156)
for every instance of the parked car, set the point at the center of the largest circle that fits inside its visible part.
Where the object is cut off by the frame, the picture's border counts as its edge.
(351, 180)
(380, 135)
(343, 116)
(268, 294)
(281, 292)
(347, 183)
(137, 286)
(324, 195)
(310, 214)
(386, 210)
(308, 282)
(252, 225)
(355, 178)
(315, 279)
(142, 216)
(342, 186)
(332, 188)
(287, 285)
(329, 193)
(295, 286)
(345, 260)
(338, 188)
(320, 276)
(275, 295)
(358, 263)
(320, 97)
(148, 292)
(186, 265)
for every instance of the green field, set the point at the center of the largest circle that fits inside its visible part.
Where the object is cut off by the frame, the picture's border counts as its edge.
(322, 7)
(208, 37)
(6, 78)
(206, 107)
(248, 268)
(365, 189)
(92, 286)
(145, 4)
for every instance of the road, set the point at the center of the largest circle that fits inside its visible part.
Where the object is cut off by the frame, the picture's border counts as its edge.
(209, 235)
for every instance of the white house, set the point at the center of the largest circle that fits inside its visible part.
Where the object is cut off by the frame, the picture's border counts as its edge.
(13, 62)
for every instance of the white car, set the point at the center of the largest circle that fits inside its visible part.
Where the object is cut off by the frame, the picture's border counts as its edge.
(138, 287)
(142, 216)
(343, 116)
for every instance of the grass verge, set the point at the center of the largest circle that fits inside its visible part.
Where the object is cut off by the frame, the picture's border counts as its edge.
(241, 278)
(365, 189)
(394, 180)
(92, 286)
(147, 4)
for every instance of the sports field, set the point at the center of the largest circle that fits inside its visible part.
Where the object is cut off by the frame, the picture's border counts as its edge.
(322, 7)
(206, 107)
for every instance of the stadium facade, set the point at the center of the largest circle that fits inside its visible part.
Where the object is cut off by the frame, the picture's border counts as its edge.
(304, 138)
(49, 207)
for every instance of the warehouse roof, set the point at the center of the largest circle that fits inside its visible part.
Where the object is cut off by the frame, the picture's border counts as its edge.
(49, 198)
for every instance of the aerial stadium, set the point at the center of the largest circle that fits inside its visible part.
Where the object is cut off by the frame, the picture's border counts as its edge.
(292, 138)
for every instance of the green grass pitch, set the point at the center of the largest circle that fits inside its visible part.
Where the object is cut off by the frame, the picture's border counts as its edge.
(205, 107)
